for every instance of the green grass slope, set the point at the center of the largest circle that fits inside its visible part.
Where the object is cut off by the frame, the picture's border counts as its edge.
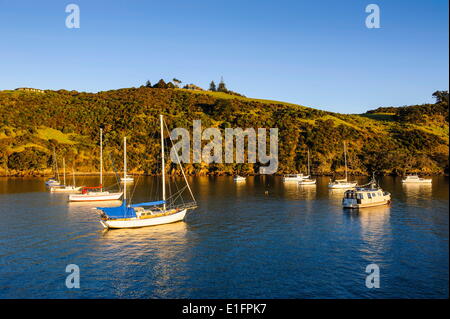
(413, 139)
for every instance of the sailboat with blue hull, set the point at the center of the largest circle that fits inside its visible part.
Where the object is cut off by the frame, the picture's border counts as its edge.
(147, 213)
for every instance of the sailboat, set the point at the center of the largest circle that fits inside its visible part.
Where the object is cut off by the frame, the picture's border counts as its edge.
(343, 183)
(308, 181)
(54, 181)
(91, 194)
(66, 188)
(148, 213)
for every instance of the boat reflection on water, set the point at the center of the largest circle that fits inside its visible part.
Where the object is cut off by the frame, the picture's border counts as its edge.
(417, 190)
(375, 230)
(106, 203)
(336, 194)
(308, 192)
(161, 254)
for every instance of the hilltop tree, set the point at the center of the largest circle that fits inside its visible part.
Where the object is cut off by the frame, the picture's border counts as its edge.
(177, 82)
(441, 96)
(222, 87)
(212, 86)
(148, 84)
(160, 85)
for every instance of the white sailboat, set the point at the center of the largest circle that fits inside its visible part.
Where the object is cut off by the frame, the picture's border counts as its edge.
(149, 213)
(343, 183)
(307, 181)
(92, 194)
(294, 177)
(54, 181)
(66, 188)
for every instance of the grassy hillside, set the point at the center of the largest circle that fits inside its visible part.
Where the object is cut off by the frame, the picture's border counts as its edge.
(389, 141)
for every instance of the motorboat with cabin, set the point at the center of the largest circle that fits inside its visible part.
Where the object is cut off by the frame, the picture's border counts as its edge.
(415, 179)
(368, 195)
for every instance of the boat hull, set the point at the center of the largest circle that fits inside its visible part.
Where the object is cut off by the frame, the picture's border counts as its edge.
(357, 206)
(95, 197)
(342, 186)
(146, 222)
(54, 189)
(423, 181)
(313, 182)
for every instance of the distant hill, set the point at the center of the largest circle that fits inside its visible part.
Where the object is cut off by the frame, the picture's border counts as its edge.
(389, 141)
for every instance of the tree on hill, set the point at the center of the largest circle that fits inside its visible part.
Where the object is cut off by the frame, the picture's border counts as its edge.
(222, 87)
(160, 85)
(441, 96)
(212, 86)
(148, 84)
(177, 82)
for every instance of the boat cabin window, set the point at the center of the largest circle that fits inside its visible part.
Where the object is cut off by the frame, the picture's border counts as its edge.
(374, 195)
(368, 195)
(360, 196)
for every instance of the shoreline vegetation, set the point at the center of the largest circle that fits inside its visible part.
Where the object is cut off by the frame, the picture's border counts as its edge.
(386, 140)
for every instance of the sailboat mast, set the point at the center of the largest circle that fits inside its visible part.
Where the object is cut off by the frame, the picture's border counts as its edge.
(345, 160)
(124, 169)
(73, 175)
(101, 159)
(64, 170)
(163, 162)
(56, 166)
(308, 163)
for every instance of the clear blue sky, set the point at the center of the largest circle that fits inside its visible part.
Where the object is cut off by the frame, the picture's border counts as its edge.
(314, 53)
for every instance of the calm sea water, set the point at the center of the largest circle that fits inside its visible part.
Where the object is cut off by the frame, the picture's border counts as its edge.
(292, 242)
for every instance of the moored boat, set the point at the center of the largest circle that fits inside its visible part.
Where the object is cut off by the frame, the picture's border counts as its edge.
(97, 193)
(416, 180)
(368, 195)
(63, 188)
(148, 213)
(343, 183)
(307, 180)
(294, 177)
(238, 178)
(127, 179)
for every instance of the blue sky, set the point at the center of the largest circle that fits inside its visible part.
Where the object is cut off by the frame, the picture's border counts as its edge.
(314, 53)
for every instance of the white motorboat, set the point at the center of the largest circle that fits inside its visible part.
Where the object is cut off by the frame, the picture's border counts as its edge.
(343, 183)
(127, 179)
(97, 193)
(366, 196)
(294, 177)
(149, 213)
(416, 180)
(238, 178)
(307, 181)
